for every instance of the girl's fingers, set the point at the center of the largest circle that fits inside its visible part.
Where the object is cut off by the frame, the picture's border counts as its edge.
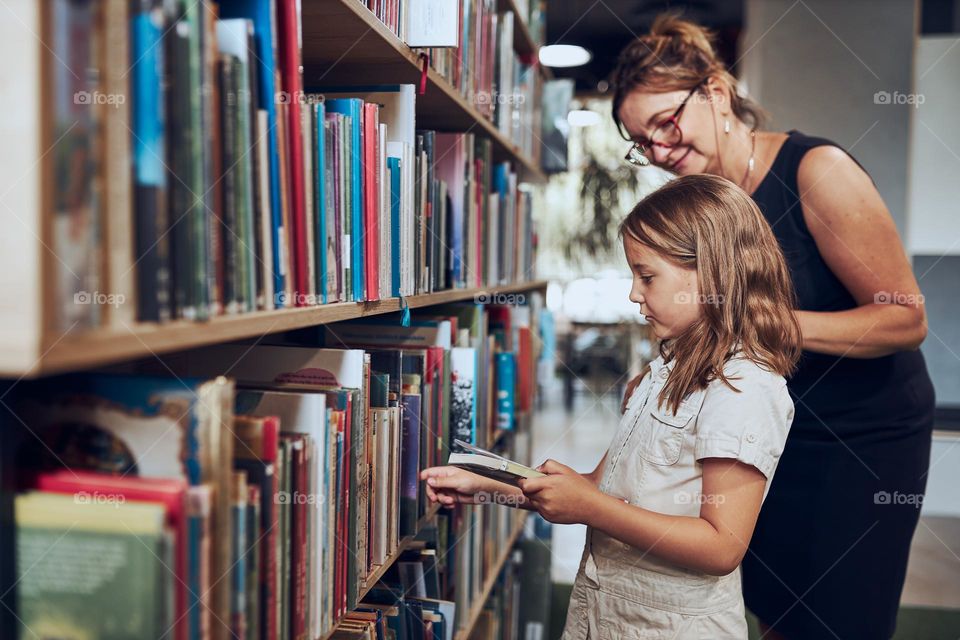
(554, 467)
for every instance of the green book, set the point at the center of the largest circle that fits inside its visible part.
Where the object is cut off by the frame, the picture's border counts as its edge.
(92, 569)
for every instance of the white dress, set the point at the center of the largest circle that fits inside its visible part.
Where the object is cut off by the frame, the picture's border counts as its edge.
(653, 462)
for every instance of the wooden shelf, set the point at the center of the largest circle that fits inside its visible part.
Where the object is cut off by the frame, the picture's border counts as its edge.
(345, 44)
(115, 344)
(374, 577)
(464, 632)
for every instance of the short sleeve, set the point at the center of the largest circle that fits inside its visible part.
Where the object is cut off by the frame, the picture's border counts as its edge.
(750, 425)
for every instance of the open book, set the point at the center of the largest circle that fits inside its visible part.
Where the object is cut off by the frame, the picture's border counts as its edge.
(490, 465)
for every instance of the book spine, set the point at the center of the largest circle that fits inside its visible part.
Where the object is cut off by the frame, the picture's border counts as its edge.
(147, 79)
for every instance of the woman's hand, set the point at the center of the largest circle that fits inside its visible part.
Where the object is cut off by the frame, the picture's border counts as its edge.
(451, 485)
(631, 387)
(563, 496)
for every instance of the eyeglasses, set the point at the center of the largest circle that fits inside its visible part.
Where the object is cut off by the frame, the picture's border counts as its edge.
(667, 134)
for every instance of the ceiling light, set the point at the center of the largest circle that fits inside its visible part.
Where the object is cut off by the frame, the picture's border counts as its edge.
(564, 55)
(583, 118)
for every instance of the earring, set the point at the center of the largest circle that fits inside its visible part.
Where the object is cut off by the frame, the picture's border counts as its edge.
(726, 126)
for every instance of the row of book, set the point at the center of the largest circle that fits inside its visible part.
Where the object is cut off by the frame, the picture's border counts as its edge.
(195, 173)
(518, 607)
(264, 505)
(481, 64)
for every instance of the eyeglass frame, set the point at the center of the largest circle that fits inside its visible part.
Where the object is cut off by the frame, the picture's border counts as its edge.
(639, 148)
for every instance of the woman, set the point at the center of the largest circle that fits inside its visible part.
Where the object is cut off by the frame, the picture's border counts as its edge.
(829, 555)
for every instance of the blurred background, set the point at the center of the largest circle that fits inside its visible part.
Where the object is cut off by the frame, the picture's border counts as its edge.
(879, 77)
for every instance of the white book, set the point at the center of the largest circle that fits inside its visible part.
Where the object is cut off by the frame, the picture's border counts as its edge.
(265, 364)
(430, 23)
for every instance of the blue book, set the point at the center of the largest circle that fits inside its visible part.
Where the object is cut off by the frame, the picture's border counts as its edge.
(506, 375)
(394, 165)
(148, 126)
(411, 401)
(353, 107)
(263, 14)
(320, 201)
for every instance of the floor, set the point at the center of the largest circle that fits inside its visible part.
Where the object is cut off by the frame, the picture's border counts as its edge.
(931, 596)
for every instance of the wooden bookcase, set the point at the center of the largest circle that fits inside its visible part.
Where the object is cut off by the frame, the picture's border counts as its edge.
(342, 42)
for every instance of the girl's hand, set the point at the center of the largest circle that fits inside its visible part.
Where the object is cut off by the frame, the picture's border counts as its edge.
(451, 485)
(563, 496)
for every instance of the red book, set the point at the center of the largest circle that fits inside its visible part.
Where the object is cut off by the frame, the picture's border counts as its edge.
(291, 79)
(434, 376)
(371, 200)
(87, 485)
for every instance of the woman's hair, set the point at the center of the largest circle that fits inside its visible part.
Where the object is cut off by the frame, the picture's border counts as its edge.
(708, 223)
(676, 55)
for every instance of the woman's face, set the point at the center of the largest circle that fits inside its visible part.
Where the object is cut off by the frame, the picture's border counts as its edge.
(641, 111)
(667, 293)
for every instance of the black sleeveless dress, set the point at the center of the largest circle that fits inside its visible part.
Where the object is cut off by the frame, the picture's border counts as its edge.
(829, 554)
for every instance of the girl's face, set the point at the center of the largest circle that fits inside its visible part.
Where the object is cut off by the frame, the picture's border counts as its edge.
(642, 111)
(667, 294)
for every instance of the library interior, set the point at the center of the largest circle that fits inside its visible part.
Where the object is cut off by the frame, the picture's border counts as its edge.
(480, 320)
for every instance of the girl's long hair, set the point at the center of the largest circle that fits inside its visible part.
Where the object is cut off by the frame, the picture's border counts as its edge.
(707, 223)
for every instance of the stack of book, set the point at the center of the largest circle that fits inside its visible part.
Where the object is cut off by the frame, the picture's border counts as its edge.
(270, 504)
(197, 175)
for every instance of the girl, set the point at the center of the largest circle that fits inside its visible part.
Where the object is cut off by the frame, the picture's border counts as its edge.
(824, 563)
(671, 507)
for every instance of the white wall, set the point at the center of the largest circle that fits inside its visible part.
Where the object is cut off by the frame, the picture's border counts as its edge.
(817, 66)
(934, 194)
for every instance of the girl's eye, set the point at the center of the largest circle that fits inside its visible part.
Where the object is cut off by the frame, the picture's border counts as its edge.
(646, 279)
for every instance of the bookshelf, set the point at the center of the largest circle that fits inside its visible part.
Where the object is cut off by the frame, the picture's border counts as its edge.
(128, 342)
(343, 43)
(363, 50)
(474, 615)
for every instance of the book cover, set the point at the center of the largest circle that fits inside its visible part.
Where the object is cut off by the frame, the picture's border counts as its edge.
(84, 567)
(463, 394)
(410, 454)
(490, 465)
(506, 376)
(87, 487)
